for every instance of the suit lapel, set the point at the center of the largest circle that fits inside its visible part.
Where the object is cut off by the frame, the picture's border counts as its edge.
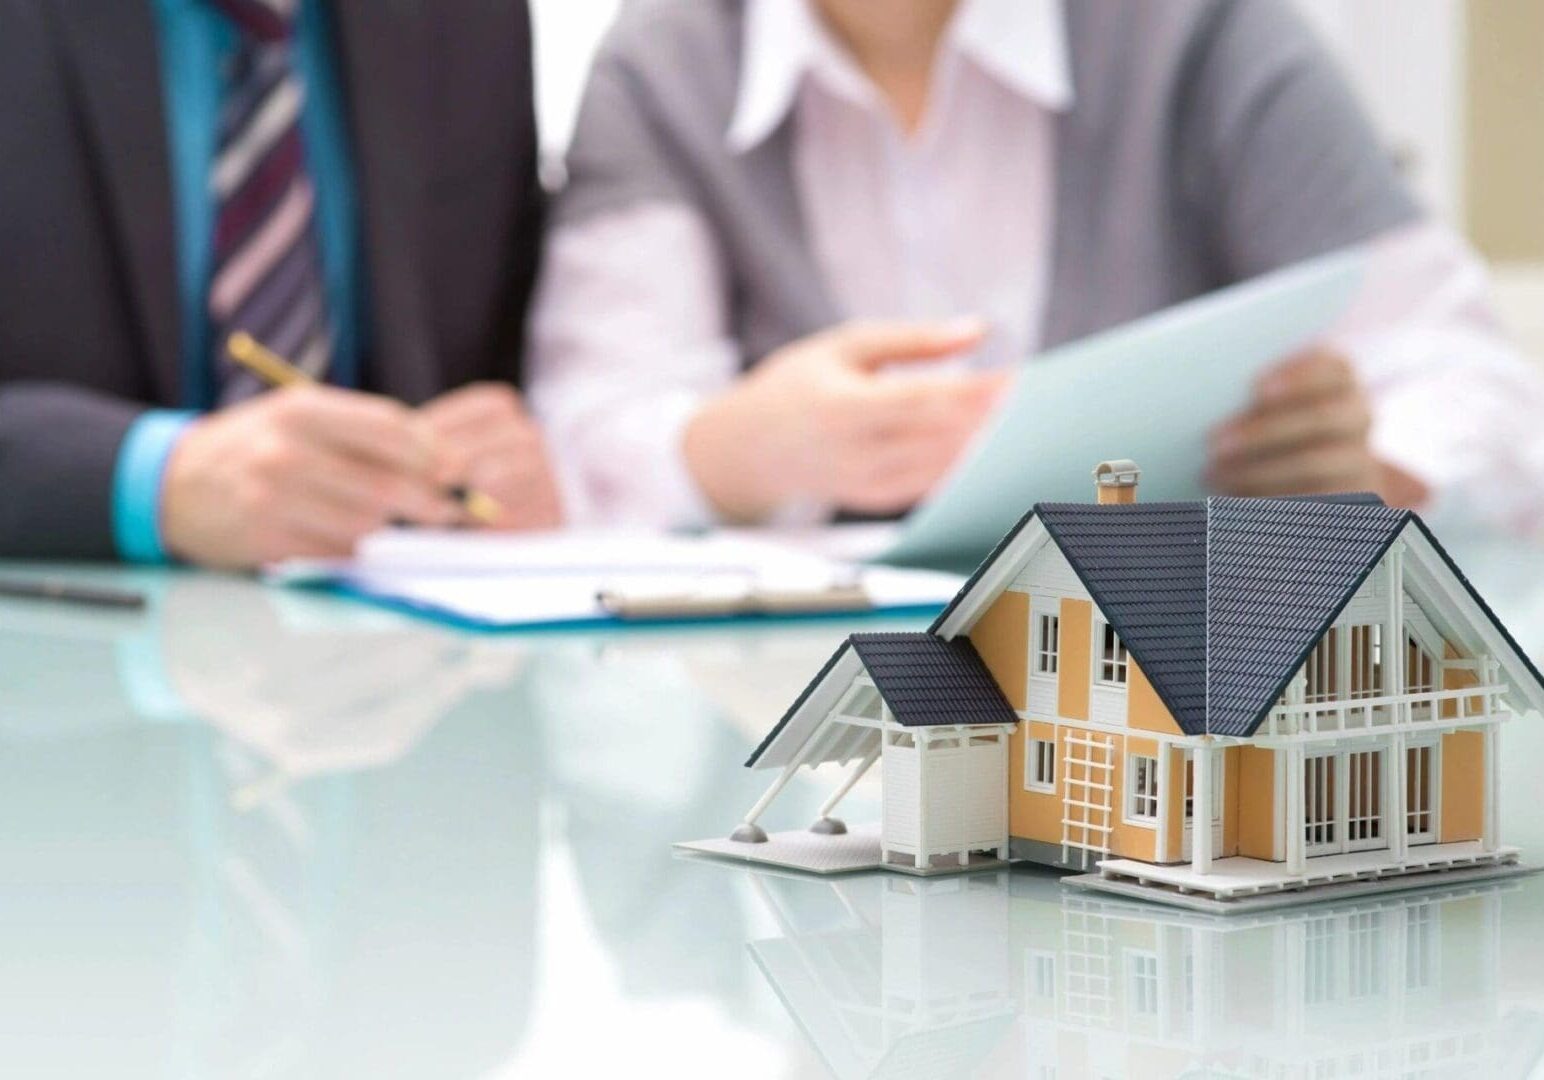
(386, 66)
(111, 48)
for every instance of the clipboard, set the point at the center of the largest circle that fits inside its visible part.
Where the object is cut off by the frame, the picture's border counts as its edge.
(588, 579)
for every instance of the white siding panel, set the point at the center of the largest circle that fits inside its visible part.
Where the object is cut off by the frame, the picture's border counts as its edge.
(945, 798)
(1107, 705)
(1042, 696)
(1049, 574)
(986, 807)
(902, 799)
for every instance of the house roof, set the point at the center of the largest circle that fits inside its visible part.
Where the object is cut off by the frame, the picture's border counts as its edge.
(925, 680)
(1145, 567)
(1220, 601)
(928, 681)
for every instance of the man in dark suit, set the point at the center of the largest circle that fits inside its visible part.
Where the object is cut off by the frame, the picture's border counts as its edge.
(352, 182)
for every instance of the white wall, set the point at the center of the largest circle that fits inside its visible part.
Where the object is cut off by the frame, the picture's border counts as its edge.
(1406, 58)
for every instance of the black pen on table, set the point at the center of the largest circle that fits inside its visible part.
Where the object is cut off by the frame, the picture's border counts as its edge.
(69, 593)
(274, 370)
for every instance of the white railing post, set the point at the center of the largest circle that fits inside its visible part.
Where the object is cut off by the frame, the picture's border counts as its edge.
(1297, 693)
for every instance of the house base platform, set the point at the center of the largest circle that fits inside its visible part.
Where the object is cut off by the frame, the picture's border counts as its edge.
(1240, 884)
(817, 853)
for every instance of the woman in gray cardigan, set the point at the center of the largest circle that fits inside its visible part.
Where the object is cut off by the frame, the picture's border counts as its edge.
(775, 205)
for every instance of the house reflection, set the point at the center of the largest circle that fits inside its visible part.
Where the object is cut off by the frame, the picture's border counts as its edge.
(1005, 975)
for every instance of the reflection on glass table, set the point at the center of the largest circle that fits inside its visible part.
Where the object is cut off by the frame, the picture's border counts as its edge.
(1002, 974)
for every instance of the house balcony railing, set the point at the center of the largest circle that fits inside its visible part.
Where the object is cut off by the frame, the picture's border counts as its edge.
(1388, 713)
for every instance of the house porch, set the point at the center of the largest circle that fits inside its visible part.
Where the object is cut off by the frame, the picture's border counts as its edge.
(1236, 876)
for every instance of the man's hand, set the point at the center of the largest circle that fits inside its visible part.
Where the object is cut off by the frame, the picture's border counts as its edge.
(490, 443)
(1306, 432)
(820, 420)
(305, 471)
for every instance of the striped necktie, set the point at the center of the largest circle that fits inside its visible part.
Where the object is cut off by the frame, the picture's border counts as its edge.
(267, 271)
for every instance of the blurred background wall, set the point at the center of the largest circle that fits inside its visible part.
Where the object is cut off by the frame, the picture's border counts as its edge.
(1456, 86)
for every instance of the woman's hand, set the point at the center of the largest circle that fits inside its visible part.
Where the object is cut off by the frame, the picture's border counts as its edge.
(822, 420)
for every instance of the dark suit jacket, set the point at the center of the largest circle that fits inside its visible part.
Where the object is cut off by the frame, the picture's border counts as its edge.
(439, 103)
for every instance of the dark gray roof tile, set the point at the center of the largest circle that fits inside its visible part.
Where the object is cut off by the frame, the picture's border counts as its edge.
(928, 681)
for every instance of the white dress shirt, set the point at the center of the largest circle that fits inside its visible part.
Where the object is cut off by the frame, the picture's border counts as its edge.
(956, 219)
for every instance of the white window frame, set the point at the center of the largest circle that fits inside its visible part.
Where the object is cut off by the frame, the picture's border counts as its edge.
(1136, 795)
(1433, 811)
(1330, 789)
(1144, 983)
(1365, 638)
(1040, 655)
(1033, 747)
(1040, 972)
(1120, 661)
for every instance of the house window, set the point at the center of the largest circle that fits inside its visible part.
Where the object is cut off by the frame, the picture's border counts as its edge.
(1142, 983)
(1142, 788)
(1319, 671)
(1366, 962)
(1047, 643)
(1040, 764)
(1366, 660)
(1320, 961)
(1420, 669)
(1364, 773)
(1112, 656)
(1420, 816)
(1421, 947)
(1319, 803)
(1043, 974)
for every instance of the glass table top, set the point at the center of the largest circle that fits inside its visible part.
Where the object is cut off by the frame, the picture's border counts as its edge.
(258, 833)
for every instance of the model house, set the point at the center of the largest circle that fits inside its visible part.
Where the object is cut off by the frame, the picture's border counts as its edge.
(1221, 699)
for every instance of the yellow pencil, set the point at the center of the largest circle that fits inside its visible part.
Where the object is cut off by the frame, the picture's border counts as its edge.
(273, 369)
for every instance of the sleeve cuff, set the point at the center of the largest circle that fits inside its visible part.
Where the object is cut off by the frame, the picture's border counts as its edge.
(137, 477)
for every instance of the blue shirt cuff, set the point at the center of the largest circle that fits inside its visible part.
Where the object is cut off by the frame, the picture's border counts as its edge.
(137, 483)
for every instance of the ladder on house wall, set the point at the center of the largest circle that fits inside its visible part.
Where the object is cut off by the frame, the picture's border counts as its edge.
(1087, 993)
(1087, 792)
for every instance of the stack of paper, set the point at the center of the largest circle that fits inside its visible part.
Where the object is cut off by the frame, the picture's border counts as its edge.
(555, 579)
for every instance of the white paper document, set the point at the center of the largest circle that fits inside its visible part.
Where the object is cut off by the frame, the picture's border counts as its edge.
(1150, 391)
(554, 579)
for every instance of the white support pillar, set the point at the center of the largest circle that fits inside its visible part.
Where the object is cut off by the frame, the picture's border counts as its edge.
(1397, 808)
(748, 831)
(1165, 798)
(1490, 838)
(1201, 818)
(1296, 858)
(1394, 635)
(863, 766)
(923, 857)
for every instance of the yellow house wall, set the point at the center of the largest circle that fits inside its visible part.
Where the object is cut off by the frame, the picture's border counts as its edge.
(1001, 636)
(1034, 815)
(1077, 628)
(1256, 812)
(1130, 841)
(1231, 799)
(1463, 786)
(1145, 711)
(1174, 795)
(1463, 770)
